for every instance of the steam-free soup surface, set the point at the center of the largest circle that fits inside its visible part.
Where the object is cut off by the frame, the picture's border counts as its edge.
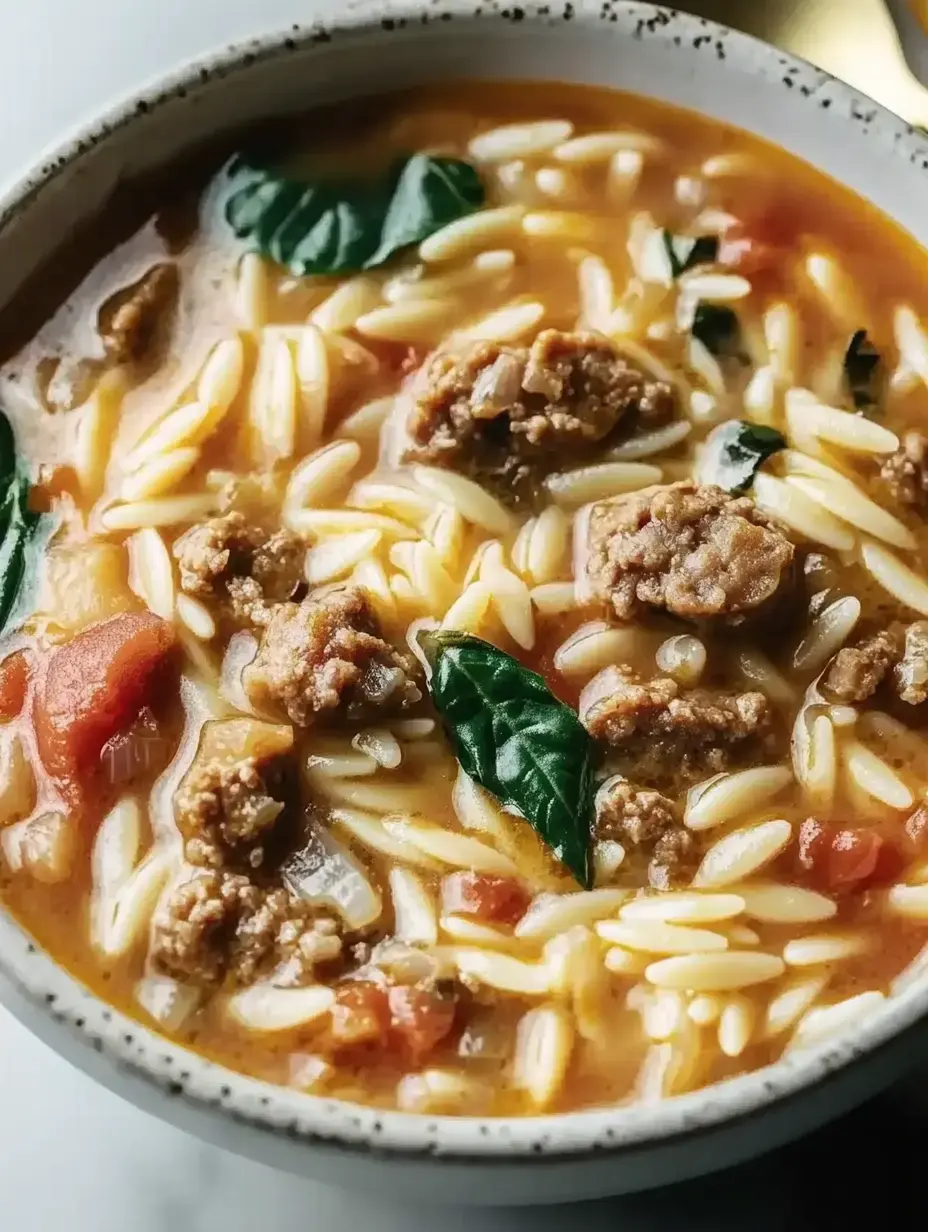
(464, 604)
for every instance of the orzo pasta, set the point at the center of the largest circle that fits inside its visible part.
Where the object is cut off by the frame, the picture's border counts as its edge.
(463, 591)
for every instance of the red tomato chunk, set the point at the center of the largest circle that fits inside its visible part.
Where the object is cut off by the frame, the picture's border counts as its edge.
(94, 687)
(420, 1019)
(757, 245)
(360, 1015)
(497, 900)
(843, 861)
(409, 1019)
(14, 680)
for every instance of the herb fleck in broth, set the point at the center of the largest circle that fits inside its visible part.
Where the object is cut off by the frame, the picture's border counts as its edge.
(228, 801)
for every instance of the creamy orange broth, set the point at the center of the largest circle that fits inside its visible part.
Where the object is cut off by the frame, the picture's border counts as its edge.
(807, 209)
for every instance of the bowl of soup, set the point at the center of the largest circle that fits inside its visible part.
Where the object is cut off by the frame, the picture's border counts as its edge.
(465, 620)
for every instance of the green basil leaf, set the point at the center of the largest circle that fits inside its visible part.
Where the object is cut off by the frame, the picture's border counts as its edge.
(734, 452)
(341, 228)
(863, 372)
(7, 451)
(718, 329)
(516, 739)
(687, 251)
(23, 532)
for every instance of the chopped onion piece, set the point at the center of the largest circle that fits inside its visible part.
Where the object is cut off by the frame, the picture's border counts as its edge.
(324, 872)
(167, 1001)
(240, 653)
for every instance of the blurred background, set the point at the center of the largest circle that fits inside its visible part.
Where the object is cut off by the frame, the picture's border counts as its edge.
(61, 60)
(854, 39)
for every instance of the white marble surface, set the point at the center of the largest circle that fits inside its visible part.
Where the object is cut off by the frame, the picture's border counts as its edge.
(75, 1156)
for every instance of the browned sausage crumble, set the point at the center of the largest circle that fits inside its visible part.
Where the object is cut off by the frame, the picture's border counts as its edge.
(664, 732)
(220, 925)
(136, 320)
(644, 820)
(326, 655)
(238, 805)
(905, 472)
(897, 655)
(241, 568)
(693, 551)
(230, 800)
(509, 415)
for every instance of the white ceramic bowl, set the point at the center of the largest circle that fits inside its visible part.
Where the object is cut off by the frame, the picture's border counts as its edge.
(362, 47)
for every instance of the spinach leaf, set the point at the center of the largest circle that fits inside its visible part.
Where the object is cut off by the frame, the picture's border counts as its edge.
(512, 735)
(23, 532)
(863, 372)
(734, 452)
(340, 228)
(718, 329)
(686, 251)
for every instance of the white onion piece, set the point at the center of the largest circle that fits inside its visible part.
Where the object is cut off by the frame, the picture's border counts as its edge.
(604, 684)
(814, 703)
(324, 872)
(167, 1001)
(240, 653)
(199, 706)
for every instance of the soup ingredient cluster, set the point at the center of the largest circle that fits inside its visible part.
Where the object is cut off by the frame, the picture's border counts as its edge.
(507, 415)
(692, 550)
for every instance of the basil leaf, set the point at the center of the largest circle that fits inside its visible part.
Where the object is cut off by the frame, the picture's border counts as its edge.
(718, 329)
(687, 251)
(516, 739)
(734, 452)
(341, 228)
(863, 372)
(7, 451)
(23, 532)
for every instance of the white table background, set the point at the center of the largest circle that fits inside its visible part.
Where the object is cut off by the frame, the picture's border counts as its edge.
(76, 1157)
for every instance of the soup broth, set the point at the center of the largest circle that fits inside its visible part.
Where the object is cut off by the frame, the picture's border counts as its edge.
(464, 599)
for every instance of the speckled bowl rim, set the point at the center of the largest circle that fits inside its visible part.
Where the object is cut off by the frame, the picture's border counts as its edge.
(135, 1060)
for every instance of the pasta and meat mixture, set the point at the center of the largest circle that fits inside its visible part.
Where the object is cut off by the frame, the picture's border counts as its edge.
(464, 604)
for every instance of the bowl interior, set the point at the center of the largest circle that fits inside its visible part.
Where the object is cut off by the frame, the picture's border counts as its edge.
(362, 50)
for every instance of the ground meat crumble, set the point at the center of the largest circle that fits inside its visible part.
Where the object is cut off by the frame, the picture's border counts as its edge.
(509, 415)
(905, 472)
(897, 655)
(241, 568)
(696, 552)
(325, 655)
(230, 801)
(665, 732)
(219, 926)
(646, 821)
(231, 918)
(132, 322)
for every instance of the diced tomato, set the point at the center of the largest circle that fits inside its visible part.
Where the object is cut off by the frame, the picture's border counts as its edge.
(360, 1015)
(756, 245)
(419, 1019)
(94, 687)
(407, 1018)
(842, 861)
(14, 680)
(497, 900)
